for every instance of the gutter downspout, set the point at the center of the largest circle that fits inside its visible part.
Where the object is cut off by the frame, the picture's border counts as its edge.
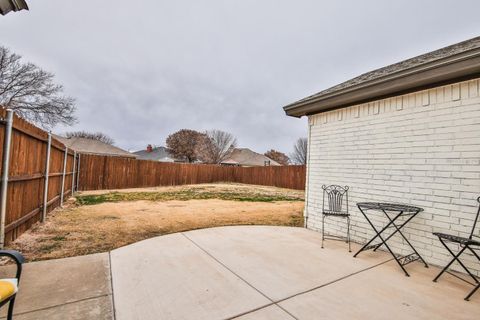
(5, 167)
(307, 180)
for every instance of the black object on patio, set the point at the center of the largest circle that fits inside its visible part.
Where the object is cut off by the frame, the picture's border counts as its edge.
(464, 243)
(392, 211)
(334, 207)
(9, 287)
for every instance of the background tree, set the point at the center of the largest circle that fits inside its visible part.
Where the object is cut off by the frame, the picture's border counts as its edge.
(32, 93)
(299, 155)
(278, 156)
(184, 143)
(91, 135)
(216, 146)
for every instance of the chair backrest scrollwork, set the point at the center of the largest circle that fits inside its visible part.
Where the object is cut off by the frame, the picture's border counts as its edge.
(333, 198)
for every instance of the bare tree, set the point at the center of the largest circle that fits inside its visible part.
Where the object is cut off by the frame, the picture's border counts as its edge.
(91, 135)
(299, 155)
(216, 146)
(278, 156)
(184, 143)
(32, 93)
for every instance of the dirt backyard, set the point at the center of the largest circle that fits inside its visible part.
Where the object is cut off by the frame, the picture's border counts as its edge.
(100, 221)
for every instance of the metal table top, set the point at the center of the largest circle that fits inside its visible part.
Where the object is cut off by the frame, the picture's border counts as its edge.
(385, 206)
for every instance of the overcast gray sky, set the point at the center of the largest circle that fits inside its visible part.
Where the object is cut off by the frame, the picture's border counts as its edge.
(143, 69)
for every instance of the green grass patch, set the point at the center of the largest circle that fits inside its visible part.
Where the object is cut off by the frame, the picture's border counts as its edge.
(183, 195)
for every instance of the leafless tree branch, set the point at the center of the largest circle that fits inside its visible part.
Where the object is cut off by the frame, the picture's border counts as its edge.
(91, 135)
(32, 93)
(216, 146)
(299, 155)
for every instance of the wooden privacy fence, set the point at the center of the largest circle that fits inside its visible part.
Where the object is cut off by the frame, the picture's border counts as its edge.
(37, 173)
(104, 172)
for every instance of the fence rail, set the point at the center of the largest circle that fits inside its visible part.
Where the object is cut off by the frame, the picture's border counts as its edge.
(105, 172)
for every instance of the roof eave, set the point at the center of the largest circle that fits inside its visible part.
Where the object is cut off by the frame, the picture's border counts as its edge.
(12, 5)
(463, 66)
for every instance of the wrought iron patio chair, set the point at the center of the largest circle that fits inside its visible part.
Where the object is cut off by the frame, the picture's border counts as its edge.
(464, 244)
(9, 287)
(335, 205)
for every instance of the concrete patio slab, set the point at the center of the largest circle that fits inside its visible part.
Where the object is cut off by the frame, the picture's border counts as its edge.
(268, 313)
(169, 277)
(280, 261)
(53, 283)
(386, 293)
(245, 273)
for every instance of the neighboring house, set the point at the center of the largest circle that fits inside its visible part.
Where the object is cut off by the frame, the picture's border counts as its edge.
(12, 5)
(90, 146)
(408, 133)
(245, 157)
(160, 154)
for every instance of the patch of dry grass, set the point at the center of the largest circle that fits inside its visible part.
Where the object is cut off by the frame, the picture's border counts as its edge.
(135, 215)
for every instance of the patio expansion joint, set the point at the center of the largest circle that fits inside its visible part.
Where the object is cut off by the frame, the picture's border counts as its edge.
(272, 302)
(111, 284)
(60, 305)
(334, 281)
(313, 289)
(277, 302)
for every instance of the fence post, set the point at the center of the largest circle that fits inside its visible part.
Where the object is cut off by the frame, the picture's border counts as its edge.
(63, 175)
(5, 167)
(47, 173)
(78, 171)
(73, 171)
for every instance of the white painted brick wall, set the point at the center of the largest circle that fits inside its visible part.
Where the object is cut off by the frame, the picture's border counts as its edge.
(421, 149)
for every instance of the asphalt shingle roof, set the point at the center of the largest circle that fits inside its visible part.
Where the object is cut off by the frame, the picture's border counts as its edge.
(157, 154)
(90, 146)
(247, 157)
(420, 60)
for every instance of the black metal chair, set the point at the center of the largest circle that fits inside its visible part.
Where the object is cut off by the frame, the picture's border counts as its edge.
(464, 243)
(334, 206)
(9, 287)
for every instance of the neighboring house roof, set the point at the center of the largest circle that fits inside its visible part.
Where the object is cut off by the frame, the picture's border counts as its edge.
(90, 146)
(12, 5)
(454, 63)
(231, 162)
(247, 157)
(156, 154)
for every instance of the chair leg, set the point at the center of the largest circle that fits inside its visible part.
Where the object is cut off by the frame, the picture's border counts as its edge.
(472, 292)
(10, 309)
(455, 258)
(323, 229)
(348, 234)
(448, 265)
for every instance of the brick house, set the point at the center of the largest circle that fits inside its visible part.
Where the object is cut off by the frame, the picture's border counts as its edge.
(408, 133)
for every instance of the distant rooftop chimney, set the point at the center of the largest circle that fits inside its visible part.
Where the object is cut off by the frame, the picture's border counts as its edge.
(149, 148)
